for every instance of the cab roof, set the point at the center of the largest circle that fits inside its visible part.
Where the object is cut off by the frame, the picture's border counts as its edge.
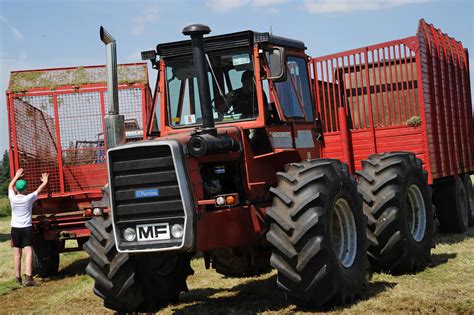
(227, 41)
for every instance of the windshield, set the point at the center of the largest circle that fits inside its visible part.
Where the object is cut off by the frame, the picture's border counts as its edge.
(232, 89)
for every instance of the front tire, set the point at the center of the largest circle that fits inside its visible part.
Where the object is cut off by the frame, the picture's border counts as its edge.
(317, 233)
(129, 283)
(397, 201)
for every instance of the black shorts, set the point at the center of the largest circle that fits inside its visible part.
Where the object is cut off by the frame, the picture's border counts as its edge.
(22, 237)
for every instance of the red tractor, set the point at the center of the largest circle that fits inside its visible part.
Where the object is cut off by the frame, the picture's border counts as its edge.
(243, 163)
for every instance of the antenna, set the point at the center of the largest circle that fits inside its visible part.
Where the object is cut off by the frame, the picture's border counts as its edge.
(270, 6)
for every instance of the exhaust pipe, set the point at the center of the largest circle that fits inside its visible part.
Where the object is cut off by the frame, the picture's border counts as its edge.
(114, 123)
(196, 31)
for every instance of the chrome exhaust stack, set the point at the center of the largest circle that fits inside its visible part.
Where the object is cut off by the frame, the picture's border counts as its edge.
(114, 123)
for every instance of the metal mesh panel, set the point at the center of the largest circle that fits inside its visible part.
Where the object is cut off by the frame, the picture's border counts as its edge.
(61, 132)
(133, 118)
(36, 142)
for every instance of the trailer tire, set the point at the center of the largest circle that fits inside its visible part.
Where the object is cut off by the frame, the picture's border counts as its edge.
(397, 202)
(45, 256)
(470, 197)
(452, 206)
(317, 233)
(131, 283)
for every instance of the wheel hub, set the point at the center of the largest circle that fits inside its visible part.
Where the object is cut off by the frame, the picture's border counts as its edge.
(416, 213)
(344, 233)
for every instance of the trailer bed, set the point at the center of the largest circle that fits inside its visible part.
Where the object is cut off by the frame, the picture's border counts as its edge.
(411, 94)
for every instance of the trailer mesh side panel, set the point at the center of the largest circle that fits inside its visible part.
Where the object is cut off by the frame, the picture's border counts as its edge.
(37, 143)
(60, 131)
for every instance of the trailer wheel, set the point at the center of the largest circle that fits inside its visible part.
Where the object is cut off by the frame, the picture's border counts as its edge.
(129, 283)
(397, 201)
(317, 233)
(470, 197)
(45, 256)
(452, 206)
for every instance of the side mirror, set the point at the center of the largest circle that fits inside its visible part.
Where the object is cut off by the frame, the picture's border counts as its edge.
(150, 55)
(276, 63)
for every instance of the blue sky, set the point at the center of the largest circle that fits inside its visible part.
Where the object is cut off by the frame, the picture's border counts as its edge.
(44, 34)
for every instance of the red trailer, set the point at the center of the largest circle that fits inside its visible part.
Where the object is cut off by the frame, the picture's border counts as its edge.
(56, 125)
(411, 94)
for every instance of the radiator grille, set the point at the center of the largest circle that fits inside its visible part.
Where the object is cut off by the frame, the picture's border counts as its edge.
(149, 172)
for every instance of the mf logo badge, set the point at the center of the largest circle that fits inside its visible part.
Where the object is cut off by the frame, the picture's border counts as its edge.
(152, 232)
(147, 193)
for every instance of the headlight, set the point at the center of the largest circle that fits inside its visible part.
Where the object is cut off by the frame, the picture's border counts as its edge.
(129, 234)
(177, 231)
(97, 211)
(220, 201)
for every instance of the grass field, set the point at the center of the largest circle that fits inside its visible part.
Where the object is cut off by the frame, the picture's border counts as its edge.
(446, 285)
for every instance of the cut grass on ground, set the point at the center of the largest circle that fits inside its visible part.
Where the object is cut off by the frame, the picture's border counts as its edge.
(446, 285)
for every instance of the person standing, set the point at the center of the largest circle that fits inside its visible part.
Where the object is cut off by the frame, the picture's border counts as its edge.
(22, 230)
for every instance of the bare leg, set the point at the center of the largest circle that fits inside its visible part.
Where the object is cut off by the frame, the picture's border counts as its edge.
(17, 261)
(28, 260)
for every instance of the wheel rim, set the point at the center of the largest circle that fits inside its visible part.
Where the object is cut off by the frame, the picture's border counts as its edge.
(344, 233)
(416, 213)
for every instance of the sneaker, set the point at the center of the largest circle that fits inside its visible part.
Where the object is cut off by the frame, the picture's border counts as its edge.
(29, 281)
(18, 280)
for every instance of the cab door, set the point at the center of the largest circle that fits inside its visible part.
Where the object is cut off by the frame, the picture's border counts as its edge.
(296, 105)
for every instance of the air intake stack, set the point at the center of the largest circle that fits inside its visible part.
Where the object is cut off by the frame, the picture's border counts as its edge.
(114, 123)
(196, 31)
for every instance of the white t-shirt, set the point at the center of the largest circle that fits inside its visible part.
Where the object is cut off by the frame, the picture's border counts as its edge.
(22, 206)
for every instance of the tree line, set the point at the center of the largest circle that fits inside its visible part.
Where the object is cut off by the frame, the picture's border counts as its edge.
(4, 174)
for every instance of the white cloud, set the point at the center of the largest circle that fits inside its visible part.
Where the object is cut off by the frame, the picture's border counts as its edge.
(339, 6)
(15, 32)
(149, 15)
(229, 5)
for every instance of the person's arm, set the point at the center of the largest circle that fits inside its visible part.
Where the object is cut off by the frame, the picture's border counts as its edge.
(18, 175)
(44, 182)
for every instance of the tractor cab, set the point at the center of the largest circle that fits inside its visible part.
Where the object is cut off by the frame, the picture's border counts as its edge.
(257, 81)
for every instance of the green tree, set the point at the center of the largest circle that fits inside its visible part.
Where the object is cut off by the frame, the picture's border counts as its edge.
(4, 174)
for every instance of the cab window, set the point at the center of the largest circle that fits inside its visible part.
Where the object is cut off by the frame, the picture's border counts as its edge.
(294, 94)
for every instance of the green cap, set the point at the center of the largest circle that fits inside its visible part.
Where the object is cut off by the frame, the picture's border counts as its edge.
(21, 185)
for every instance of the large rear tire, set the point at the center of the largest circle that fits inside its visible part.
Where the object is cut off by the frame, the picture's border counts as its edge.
(45, 256)
(129, 283)
(317, 233)
(452, 207)
(397, 202)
